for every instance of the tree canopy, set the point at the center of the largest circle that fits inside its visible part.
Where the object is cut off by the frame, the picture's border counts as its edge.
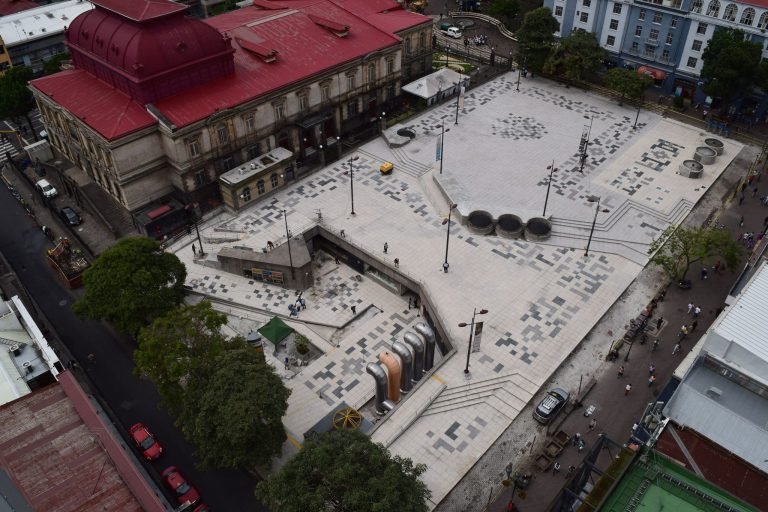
(677, 248)
(628, 83)
(342, 471)
(233, 409)
(732, 65)
(507, 9)
(131, 283)
(15, 98)
(536, 36)
(575, 56)
(53, 65)
(174, 344)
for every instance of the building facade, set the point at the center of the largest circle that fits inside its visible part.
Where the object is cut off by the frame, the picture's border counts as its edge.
(160, 105)
(664, 39)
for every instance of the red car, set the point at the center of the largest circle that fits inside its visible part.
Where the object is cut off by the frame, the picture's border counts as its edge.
(179, 485)
(202, 508)
(144, 439)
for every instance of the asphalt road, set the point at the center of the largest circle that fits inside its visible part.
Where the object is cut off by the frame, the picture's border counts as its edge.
(130, 398)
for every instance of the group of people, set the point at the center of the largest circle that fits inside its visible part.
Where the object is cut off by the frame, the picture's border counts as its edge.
(476, 40)
(297, 306)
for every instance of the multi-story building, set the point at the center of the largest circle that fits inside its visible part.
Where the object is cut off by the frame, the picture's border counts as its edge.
(33, 36)
(662, 38)
(160, 104)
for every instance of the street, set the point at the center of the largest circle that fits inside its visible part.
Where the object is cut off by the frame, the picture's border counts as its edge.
(131, 399)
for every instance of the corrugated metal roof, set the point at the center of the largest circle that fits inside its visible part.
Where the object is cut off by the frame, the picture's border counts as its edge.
(44, 21)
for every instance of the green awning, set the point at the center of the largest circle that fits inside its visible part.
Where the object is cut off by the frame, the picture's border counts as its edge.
(275, 330)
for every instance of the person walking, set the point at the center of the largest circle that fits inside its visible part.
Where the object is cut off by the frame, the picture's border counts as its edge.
(354, 309)
(655, 345)
(696, 312)
(410, 302)
(397, 262)
(652, 369)
(694, 324)
(627, 389)
(621, 371)
(690, 307)
(659, 322)
(651, 380)
(704, 273)
(592, 424)
(194, 250)
(676, 349)
(571, 469)
(386, 247)
(556, 468)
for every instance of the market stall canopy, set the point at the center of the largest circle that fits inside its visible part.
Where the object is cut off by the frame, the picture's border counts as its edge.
(444, 79)
(275, 330)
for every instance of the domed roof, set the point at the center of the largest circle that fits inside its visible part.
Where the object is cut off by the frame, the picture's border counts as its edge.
(145, 48)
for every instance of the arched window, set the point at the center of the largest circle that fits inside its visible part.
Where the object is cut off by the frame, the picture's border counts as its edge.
(696, 6)
(245, 195)
(763, 23)
(713, 9)
(371, 72)
(748, 16)
(260, 186)
(274, 181)
(730, 12)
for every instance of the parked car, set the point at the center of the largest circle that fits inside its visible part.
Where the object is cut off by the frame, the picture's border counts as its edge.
(48, 190)
(550, 405)
(202, 507)
(70, 216)
(179, 485)
(145, 441)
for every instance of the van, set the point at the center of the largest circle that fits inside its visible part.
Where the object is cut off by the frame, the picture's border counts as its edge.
(454, 32)
(386, 168)
(48, 190)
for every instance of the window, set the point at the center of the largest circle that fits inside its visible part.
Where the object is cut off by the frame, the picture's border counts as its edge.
(650, 50)
(763, 23)
(670, 37)
(713, 9)
(559, 10)
(696, 45)
(260, 186)
(657, 17)
(654, 35)
(390, 66)
(194, 149)
(696, 6)
(692, 62)
(279, 111)
(586, 3)
(352, 108)
(584, 17)
(748, 16)
(614, 25)
(303, 102)
(350, 82)
(702, 28)
(201, 178)
(253, 152)
(638, 31)
(222, 133)
(371, 72)
(730, 12)
(325, 92)
(616, 8)
(641, 15)
(665, 55)
(610, 41)
(274, 181)
(422, 40)
(673, 23)
(228, 163)
(245, 194)
(635, 46)
(249, 122)
(408, 46)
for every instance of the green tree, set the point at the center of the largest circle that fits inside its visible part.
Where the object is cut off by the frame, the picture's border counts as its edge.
(731, 65)
(176, 342)
(16, 99)
(575, 56)
(508, 9)
(677, 248)
(233, 409)
(342, 471)
(536, 36)
(630, 84)
(53, 65)
(130, 284)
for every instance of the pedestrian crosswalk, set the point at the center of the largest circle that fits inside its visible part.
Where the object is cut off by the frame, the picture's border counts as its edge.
(5, 147)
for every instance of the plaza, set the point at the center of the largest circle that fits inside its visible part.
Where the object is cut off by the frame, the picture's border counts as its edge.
(542, 298)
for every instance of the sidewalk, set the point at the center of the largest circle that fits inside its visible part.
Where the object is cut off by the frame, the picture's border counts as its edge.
(615, 412)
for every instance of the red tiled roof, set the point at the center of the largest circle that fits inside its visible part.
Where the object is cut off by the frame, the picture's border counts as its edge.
(13, 6)
(107, 111)
(141, 10)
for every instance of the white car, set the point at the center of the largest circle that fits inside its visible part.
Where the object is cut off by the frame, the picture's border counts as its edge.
(48, 190)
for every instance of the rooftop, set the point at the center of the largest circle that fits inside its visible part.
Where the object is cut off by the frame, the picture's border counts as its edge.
(40, 22)
(13, 6)
(255, 166)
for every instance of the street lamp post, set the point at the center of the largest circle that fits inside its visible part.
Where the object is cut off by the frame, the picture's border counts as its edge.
(520, 72)
(442, 145)
(288, 241)
(458, 95)
(448, 235)
(593, 199)
(586, 145)
(639, 104)
(475, 312)
(352, 182)
(383, 122)
(199, 241)
(552, 169)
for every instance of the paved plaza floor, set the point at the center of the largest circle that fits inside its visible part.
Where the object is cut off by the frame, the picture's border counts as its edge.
(543, 298)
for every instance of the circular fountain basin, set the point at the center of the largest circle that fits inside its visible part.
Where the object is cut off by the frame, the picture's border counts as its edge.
(705, 155)
(509, 226)
(480, 222)
(538, 229)
(691, 169)
(406, 132)
(715, 144)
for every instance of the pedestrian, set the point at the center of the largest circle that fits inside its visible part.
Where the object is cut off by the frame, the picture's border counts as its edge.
(627, 389)
(750, 179)
(741, 221)
(571, 469)
(303, 303)
(287, 366)
(556, 468)
(694, 324)
(659, 322)
(336, 260)
(676, 349)
(592, 424)
(397, 262)
(354, 309)
(690, 307)
(386, 247)
(576, 438)
(696, 312)
(651, 380)
(410, 303)
(342, 234)
(194, 250)
(655, 345)
(621, 371)
(704, 273)
(652, 369)
(754, 192)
